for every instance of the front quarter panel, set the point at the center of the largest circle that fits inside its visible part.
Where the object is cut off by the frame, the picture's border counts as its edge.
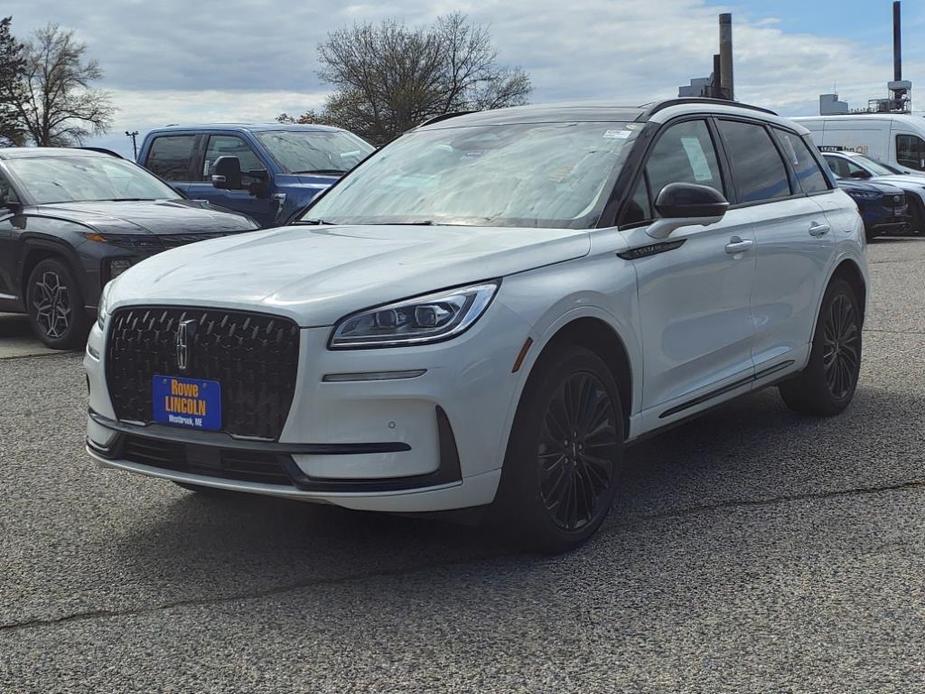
(600, 285)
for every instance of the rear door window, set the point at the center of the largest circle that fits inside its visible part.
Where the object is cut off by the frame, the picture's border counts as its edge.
(802, 161)
(171, 157)
(759, 172)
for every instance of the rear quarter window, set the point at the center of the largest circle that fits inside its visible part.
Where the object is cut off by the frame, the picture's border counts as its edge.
(808, 173)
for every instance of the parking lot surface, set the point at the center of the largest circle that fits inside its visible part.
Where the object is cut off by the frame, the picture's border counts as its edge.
(750, 551)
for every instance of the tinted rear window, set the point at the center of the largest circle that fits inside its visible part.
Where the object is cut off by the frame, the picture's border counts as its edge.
(171, 157)
(758, 169)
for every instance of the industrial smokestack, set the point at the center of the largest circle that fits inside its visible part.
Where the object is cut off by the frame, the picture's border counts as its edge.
(725, 56)
(897, 43)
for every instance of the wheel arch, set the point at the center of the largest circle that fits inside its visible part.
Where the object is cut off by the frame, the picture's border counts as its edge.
(598, 336)
(37, 251)
(850, 271)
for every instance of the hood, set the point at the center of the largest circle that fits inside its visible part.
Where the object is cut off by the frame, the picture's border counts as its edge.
(149, 216)
(905, 182)
(316, 275)
(867, 185)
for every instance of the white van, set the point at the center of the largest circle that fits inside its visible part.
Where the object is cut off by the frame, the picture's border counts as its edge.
(898, 140)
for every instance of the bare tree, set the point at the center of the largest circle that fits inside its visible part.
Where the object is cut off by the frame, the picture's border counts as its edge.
(12, 68)
(55, 103)
(389, 77)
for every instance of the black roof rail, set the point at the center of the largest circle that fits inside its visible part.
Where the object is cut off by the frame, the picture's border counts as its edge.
(442, 116)
(102, 150)
(656, 106)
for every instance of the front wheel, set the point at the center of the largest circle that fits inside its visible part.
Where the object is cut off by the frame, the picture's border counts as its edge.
(55, 305)
(827, 384)
(566, 449)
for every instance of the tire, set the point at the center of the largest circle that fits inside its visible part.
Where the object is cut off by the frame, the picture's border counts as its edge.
(827, 384)
(55, 305)
(917, 223)
(554, 493)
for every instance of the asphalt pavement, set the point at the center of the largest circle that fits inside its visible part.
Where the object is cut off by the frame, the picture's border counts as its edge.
(749, 551)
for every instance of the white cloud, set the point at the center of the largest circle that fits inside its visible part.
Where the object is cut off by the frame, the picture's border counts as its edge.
(257, 58)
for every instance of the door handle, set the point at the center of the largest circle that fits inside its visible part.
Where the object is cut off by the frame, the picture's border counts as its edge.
(816, 229)
(737, 245)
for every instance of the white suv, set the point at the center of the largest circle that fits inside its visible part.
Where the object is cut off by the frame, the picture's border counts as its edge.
(487, 311)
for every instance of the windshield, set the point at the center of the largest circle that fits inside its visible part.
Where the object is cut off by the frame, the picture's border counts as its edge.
(80, 179)
(534, 175)
(331, 152)
(877, 168)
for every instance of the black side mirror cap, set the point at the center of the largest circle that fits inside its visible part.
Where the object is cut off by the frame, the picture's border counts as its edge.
(690, 201)
(686, 204)
(860, 173)
(226, 173)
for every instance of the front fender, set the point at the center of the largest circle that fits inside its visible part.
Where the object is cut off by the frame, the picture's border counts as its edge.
(602, 287)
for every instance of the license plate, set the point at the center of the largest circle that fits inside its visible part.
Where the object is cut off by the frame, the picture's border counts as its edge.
(187, 402)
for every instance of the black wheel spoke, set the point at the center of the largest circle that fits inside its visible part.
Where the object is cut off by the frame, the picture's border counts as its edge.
(841, 353)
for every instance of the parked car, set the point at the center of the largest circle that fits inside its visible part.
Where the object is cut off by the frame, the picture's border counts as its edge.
(486, 312)
(896, 139)
(268, 172)
(882, 206)
(856, 166)
(71, 220)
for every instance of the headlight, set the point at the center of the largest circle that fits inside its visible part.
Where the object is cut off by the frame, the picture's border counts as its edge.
(864, 195)
(416, 321)
(102, 308)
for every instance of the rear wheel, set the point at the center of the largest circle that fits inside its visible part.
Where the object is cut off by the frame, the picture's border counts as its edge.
(827, 384)
(565, 453)
(56, 306)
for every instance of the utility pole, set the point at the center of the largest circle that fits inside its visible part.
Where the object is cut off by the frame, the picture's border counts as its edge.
(133, 134)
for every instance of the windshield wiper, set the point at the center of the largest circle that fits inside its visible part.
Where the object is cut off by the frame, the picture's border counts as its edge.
(323, 172)
(313, 222)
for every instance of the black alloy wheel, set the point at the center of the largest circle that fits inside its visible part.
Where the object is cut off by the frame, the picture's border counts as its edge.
(841, 357)
(577, 449)
(55, 305)
(826, 386)
(565, 452)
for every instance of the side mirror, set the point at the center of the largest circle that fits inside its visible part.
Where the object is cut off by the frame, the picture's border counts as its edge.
(860, 173)
(686, 204)
(226, 173)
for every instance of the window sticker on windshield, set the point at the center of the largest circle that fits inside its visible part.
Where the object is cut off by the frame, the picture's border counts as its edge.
(616, 134)
(697, 159)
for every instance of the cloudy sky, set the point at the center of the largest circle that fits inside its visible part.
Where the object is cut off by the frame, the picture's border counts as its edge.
(219, 60)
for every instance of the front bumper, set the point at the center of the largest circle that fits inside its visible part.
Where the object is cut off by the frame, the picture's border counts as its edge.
(429, 442)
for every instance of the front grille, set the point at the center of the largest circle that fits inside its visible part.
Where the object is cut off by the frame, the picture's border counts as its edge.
(254, 356)
(246, 466)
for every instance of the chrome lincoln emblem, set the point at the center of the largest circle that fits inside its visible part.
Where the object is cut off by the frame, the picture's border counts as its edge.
(184, 333)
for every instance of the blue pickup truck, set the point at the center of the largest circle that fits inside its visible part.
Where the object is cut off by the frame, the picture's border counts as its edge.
(268, 172)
